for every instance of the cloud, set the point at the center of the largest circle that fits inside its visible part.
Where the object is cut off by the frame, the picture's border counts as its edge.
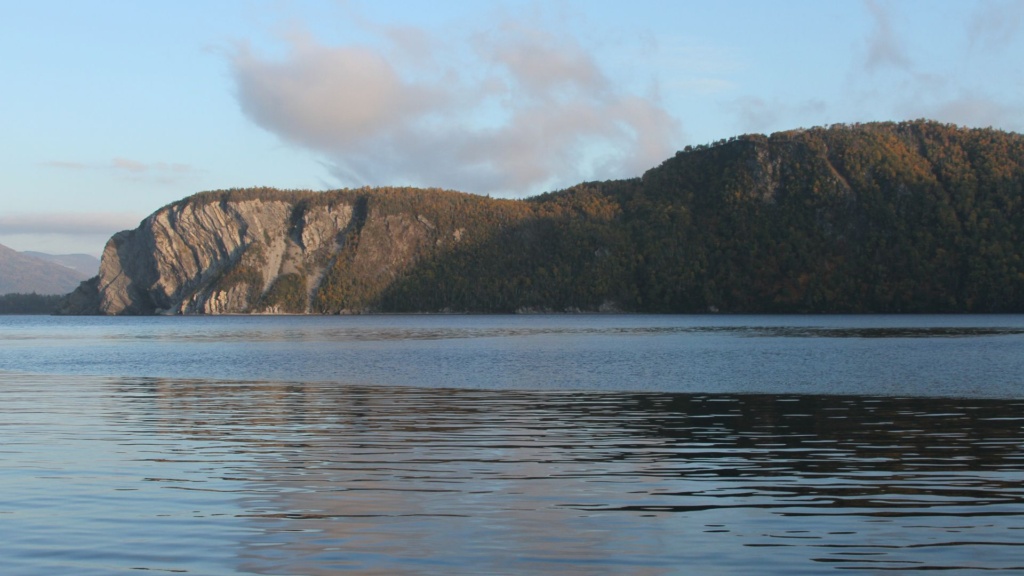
(162, 168)
(755, 114)
(129, 165)
(67, 224)
(327, 98)
(884, 47)
(996, 24)
(980, 111)
(514, 110)
(159, 172)
(885, 83)
(64, 232)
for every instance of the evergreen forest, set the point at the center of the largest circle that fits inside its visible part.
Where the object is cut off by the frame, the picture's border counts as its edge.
(18, 303)
(882, 217)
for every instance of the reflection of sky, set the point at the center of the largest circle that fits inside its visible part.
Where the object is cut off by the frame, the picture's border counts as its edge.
(102, 475)
(412, 480)
(955, 356)
(91, 485)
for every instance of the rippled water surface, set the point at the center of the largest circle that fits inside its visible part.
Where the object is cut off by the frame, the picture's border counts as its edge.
(469, 445)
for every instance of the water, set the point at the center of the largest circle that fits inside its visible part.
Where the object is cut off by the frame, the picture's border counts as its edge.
(508, 445)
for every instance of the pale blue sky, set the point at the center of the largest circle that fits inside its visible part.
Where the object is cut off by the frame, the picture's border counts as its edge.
(111, 109)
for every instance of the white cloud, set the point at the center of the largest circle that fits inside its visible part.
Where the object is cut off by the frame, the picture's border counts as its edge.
(515, 111)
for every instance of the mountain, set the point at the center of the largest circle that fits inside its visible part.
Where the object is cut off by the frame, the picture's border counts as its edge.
(84, 264)
(23, 273)
(882, 217)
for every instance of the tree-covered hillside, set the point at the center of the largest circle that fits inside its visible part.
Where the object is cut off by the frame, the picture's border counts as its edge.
(908, 217)
(886, 217)
(29, 303)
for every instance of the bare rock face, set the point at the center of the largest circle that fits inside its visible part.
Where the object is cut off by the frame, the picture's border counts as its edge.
(239, 252)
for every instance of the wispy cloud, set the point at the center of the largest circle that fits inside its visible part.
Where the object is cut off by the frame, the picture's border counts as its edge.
(64, 165)
(67, 223)
(129, 165)
(996, 23)
(754, 113)
(165, 172)
(945, 90)
(543, 112)
(885, 47)
(972, 109)
(762, 115)
(161, 168)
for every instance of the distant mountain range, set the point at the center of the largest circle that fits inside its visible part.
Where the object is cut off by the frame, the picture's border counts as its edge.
(81, 263)
(40, 273)
(882, 217)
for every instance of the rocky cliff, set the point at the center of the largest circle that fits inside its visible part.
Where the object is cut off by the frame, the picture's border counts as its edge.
(908, 217)
(269, 251)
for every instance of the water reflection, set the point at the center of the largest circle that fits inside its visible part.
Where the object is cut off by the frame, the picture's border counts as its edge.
(403, 480)
(953, 356)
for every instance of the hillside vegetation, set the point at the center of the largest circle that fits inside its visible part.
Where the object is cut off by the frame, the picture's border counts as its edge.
(16, 303)
(911, 217)
(885, 217)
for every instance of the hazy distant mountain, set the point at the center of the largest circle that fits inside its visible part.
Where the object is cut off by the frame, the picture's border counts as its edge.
(83, 263)
(25, 274)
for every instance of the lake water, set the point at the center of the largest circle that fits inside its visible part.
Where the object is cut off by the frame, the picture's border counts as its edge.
(641, 445)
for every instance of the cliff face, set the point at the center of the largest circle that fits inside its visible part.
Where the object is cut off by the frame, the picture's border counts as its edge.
(244, 252)
(910, 217)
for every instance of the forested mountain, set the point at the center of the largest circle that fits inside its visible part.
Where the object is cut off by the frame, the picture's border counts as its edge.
(908, 217)
(882, 217)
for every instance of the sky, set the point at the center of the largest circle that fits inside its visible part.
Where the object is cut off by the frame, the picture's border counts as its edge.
(111, 109)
